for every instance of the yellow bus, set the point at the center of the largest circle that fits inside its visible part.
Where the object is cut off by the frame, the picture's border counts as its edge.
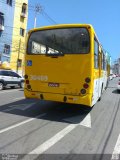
(65, 63)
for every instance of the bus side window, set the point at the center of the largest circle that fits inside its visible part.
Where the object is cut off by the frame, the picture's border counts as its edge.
(96, 50)
(102, 56)
(104, 63)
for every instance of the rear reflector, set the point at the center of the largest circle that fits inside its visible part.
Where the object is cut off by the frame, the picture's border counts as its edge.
(70, 98)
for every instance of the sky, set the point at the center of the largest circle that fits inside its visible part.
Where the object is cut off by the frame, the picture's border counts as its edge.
(103, 15)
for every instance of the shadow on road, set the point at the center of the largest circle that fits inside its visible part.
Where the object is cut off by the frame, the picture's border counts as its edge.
(116, 91)
(54, 111)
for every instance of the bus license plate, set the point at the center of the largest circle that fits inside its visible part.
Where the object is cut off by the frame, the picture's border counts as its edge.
(53, 84)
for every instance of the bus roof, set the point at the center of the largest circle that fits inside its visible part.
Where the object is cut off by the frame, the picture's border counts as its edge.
(60, 26)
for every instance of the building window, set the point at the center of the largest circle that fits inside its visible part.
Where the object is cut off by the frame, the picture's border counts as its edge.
(22, 19)
(9, 2)
(24, 11)
(24, 8)
(7, 49)
(19, 62)
(1, 20)
(22, 32)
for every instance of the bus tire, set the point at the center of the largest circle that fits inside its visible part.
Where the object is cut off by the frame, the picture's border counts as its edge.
(12, 87)
(21, 84)
(107, 84)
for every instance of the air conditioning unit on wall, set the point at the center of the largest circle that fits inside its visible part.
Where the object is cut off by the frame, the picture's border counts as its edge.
(1, 27)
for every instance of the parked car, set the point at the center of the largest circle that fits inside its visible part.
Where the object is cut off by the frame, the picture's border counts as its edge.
(9, 78)
(118, 86)
(111, 76)
(114, 75)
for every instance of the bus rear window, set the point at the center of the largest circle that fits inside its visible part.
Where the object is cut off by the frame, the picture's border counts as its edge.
(59, 41)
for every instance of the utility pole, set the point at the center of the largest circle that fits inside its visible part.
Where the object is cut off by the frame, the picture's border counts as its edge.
(38, 9)
(17, 66)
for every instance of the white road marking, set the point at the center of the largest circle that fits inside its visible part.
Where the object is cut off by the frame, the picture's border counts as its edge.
(27, 107)
(7, 110)
(12, 90)
(87, 121)
(116, 151)
(22, 107)
(76, 119)
(49, 143)
(19, 98)
(21, 123)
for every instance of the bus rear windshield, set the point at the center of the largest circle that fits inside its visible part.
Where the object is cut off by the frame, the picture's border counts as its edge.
(59, 41)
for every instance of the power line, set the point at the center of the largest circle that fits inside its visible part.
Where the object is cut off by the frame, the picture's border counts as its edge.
(13, 27)
(48, 17)
(13, 43)
(10, 34)
(37, 9)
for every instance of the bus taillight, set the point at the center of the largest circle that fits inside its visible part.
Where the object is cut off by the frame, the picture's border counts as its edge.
(27, 81)
(85, 85)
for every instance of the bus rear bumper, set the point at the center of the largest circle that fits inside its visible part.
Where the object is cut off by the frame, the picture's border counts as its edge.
(84, 100)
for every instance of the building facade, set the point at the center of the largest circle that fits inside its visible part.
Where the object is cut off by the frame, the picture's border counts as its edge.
(6, 30)
(116, 67)
(13, 24)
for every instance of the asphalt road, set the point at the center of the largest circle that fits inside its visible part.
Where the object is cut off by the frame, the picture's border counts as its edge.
(33, 129)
